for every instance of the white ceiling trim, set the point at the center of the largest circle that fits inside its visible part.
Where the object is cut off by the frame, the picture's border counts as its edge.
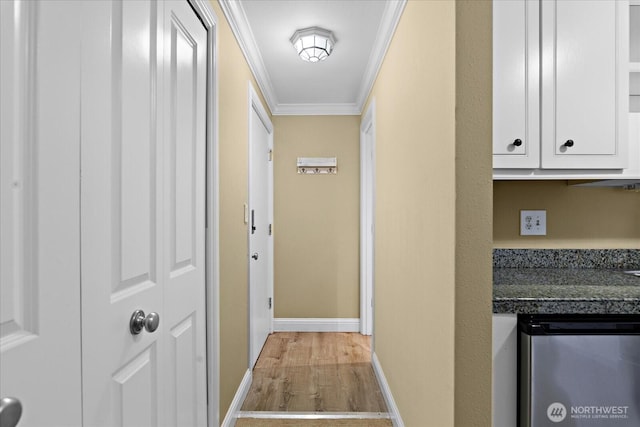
(317, 110)
(234, 12)
(390, 19)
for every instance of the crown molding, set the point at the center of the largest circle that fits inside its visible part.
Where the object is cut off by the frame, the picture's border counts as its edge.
(234, 12)
(350, 109)
(392, 13)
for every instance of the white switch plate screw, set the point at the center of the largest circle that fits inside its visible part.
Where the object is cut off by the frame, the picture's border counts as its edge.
(533, 223)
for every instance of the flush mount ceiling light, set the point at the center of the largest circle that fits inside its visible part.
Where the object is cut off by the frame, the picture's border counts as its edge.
(313, 44)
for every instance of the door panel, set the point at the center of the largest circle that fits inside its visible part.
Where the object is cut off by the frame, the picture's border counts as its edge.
(185, 55)
(39, 186)
(133, 146)
(121, 212)
(135, 400)
(184, 373)
(182, 135)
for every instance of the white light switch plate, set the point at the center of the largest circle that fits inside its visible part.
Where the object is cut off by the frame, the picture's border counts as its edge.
(533, 223)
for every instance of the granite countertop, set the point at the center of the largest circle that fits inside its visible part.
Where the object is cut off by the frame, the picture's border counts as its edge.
(577, 287)
(565, 290)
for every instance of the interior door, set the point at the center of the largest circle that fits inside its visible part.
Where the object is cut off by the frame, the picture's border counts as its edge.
(142, 196)
(260, 262)
(39, 219)
(183, 265)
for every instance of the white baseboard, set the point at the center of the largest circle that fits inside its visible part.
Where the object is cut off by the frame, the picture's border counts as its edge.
(238, 400)
(396, 419)
(316, 325)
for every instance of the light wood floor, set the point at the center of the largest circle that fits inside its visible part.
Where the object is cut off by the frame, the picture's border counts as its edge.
(315, 372)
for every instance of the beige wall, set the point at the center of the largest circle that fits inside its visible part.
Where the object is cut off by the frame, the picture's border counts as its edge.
(233, 77)
(316, 218)
(577, 217)
(415, 214)
(473, 213)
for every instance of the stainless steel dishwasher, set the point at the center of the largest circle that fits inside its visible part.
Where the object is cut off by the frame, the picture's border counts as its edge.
(579, 370)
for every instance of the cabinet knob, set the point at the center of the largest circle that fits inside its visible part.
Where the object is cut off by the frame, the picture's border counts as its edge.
(569, 143)
(517, 142)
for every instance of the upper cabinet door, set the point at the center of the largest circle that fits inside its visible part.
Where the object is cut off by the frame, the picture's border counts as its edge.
(584, 84)
(516, 84)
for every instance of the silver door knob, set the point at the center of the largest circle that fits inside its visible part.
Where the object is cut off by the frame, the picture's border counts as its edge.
(139, 321)
(255, 255)
(10, 411)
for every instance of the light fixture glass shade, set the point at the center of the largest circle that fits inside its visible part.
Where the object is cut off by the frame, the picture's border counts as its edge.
(313, 44)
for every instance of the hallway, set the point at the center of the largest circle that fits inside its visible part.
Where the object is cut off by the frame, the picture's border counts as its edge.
(314, 379)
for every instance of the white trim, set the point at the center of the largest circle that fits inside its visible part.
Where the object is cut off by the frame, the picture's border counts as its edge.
(569, 174)
(316, 325)
(264, 415)
(255, 104)
(237, 18)
(390, 19)
(367, 217)
(206, 14)
(396, 419)
(238, 400)
(234, 12)
(316, 110)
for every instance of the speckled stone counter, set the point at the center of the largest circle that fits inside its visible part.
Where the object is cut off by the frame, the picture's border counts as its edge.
(601, 288)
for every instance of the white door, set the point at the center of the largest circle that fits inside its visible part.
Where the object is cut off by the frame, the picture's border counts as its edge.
(183, 206)
(142, 203)
(39, 186)
(260, 242)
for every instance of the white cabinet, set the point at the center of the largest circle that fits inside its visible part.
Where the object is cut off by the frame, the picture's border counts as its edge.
(634, 80)
(505, 370)
(584, 84)
(561, 87)
(634, 58)
(516, 84)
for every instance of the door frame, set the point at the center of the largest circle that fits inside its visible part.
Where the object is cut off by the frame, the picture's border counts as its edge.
(209, 19)
(367, 217)
(255, 104)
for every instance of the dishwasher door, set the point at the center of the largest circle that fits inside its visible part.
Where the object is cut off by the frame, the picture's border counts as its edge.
(579, 371)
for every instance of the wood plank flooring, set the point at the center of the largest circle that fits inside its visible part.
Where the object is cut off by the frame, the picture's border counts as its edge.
(315, 372)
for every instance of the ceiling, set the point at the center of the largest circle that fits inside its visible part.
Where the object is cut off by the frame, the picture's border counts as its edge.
(338, 85)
